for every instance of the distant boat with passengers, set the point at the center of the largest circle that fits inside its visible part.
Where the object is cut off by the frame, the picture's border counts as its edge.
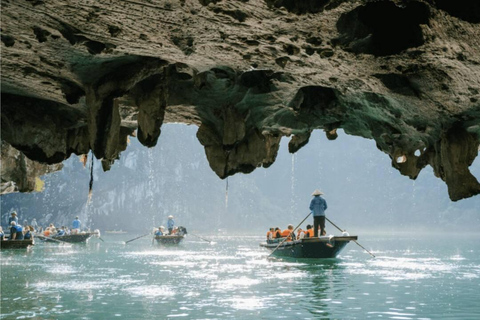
(79, 237)
(177, 235)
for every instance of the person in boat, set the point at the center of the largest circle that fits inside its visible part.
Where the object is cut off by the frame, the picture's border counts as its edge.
(76, 225)
(288, 233)
(16, 231)
(13, 217)
(318, 205)
(28, 233)
(309, 232)
(159, 232)
(300, 234)
(278, 233)
(270, 233)
(61, 231)
(53, 230)
(170, 224)
(2, 235)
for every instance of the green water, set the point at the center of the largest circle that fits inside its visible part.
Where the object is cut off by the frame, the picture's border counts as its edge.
(413, 277)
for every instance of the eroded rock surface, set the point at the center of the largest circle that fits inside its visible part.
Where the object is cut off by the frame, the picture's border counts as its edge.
(20, 174)
(85, 75)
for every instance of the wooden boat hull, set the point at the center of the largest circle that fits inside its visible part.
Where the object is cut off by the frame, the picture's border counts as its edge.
(73, 238)
(16, 244)
(310, 248)
(169, 239)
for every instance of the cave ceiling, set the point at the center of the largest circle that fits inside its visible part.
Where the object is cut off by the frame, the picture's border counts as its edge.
(84, 75)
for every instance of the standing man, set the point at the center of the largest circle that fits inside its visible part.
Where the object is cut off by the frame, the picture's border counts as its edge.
(318, 205)
(170, 224)
(13, 218)
(76, 225)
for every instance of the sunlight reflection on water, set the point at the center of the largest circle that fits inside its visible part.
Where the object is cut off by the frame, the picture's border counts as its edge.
(235, 280)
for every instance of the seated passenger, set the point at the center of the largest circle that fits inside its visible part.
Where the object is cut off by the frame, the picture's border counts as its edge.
(61, 232)
(53, 230)
(300, 234)
(309, 232)
(288, 233)
(270, 233)
(159, 232)
(278, 233)
(28, 233)
(47, 232)
(2, 235)
(16, 231)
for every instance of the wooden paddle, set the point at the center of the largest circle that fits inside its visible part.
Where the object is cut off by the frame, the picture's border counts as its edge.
(200, 238)
(291, 232)
(333, 224)
(137, 238)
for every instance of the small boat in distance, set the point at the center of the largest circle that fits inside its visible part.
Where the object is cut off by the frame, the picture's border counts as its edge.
(175, 238)
(310, 248)
(81, 237)
(16, 244)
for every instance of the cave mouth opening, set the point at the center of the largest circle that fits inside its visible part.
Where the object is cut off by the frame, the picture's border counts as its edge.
(383, 28)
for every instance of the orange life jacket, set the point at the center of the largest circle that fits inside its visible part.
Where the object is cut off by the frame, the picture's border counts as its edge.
(288, 234)
(46, 233)
(309, 232)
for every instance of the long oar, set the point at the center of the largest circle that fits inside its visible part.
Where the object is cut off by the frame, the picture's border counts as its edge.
(333, 224)
(137, 238)
(201, 238)
(308, 215)
(40, 236)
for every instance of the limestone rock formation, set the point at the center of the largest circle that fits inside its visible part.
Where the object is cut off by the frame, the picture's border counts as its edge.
(20, 174)
(84, 75)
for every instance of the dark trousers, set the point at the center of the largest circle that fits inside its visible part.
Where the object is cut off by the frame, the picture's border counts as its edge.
(316, 222)
(171, 229)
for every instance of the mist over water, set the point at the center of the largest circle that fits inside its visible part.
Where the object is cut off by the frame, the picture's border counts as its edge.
(363, 191)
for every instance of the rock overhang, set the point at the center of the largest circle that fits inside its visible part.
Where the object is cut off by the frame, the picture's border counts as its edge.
(405, 73)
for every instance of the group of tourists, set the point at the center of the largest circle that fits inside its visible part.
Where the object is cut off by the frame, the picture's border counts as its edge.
(318, 205)
(17, 231)
(51, 230)
(26, 231)
(170, 227)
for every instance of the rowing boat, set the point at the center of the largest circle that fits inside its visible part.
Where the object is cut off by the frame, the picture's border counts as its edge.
(169, 239)
(172, 238)
(73, 238)
(16, 244)
(312, 248)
